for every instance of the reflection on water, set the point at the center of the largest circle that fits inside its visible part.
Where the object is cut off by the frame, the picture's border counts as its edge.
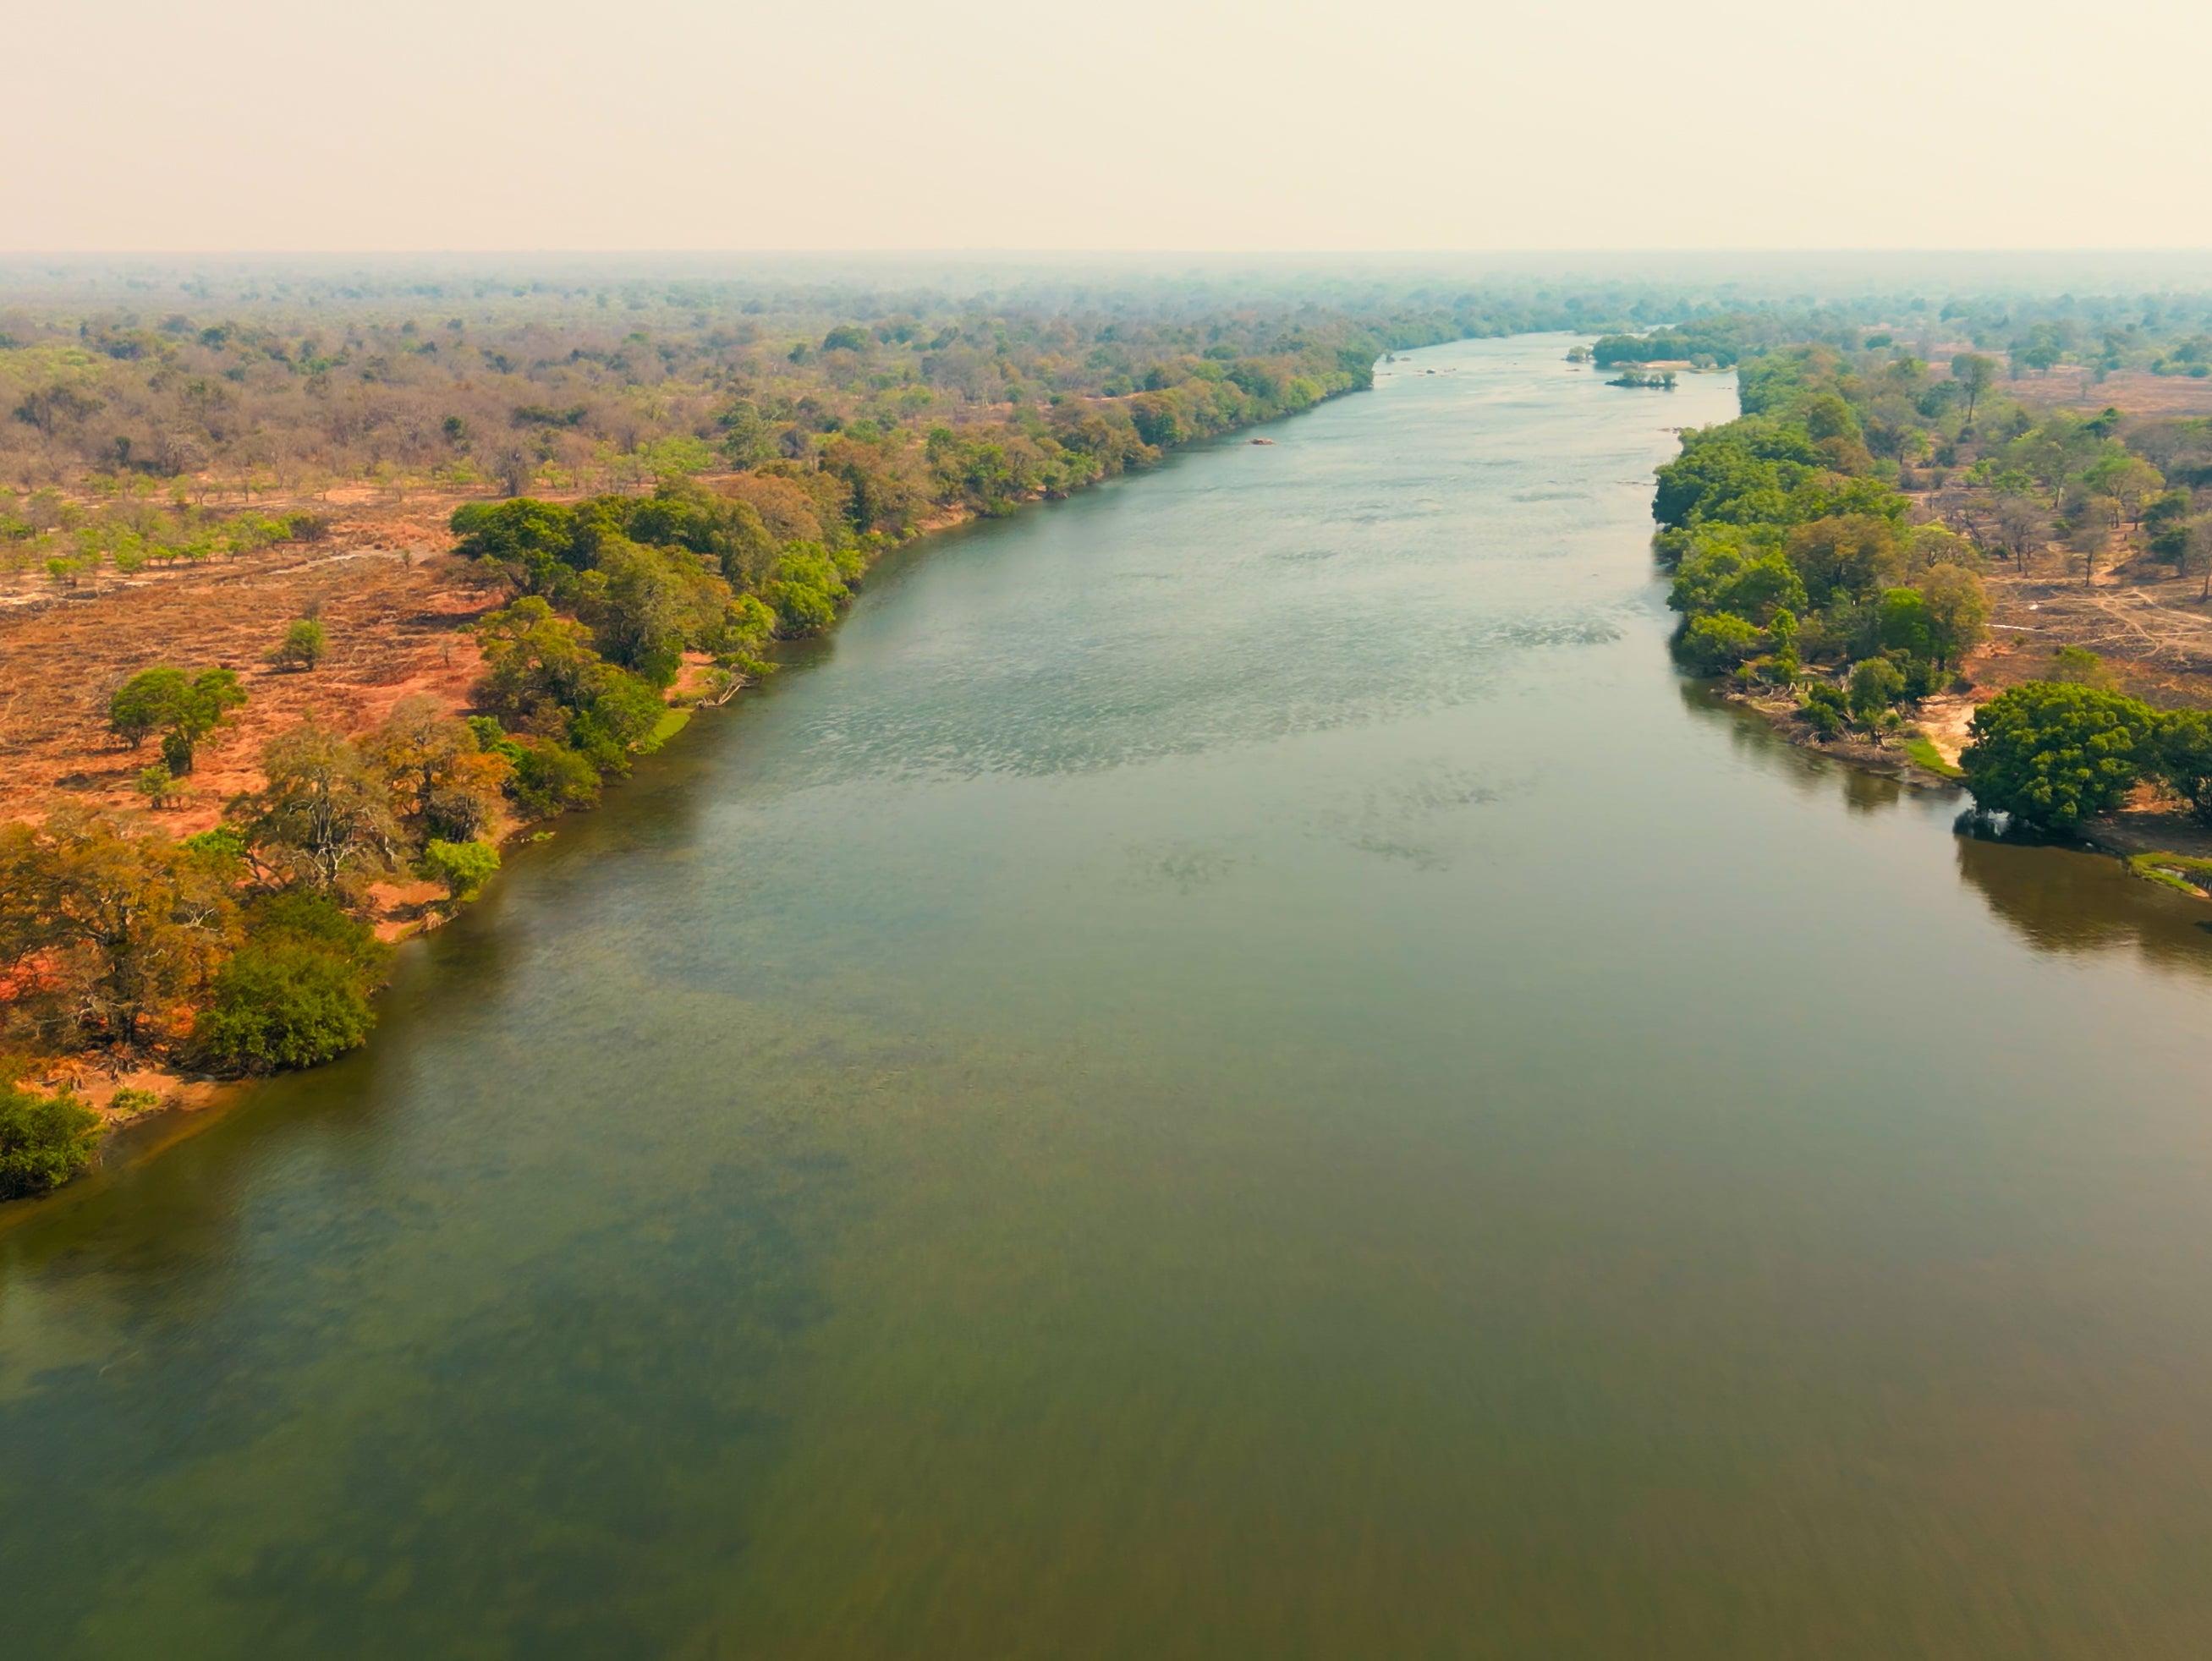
(1164, 1094)
(2061, 900)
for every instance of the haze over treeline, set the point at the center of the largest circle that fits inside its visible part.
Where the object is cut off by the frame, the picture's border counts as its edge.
(240, 375)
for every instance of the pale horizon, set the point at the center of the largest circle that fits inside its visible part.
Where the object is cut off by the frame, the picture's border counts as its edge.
(982, 128)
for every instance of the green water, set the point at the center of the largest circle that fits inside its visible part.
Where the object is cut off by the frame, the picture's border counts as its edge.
(1234, 1070)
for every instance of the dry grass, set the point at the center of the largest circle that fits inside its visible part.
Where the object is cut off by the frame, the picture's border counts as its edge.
(392, 605)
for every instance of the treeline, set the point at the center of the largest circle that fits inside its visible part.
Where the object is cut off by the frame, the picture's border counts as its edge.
(1796, 565)
(1802, 564)
(583, 387)
(2165, 334)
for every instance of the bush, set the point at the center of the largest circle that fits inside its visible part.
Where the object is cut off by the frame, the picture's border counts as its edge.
(550, 779)
(305, 646)
(2052, 754)
(463, 867)
(1825, 708)
(44, 1141)
(297, 992)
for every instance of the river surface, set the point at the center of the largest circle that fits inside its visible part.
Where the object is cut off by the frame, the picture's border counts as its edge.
(1234, 1068)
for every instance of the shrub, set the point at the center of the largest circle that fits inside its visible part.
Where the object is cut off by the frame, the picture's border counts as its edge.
(463, 867)
(44, 1141)
(157, 784)
(305, 645)
(1825, 708)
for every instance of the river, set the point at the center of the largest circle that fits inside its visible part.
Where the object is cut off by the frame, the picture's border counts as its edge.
(1235, 1068)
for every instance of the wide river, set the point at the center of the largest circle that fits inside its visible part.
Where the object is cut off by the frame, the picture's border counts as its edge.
(1234, 1068)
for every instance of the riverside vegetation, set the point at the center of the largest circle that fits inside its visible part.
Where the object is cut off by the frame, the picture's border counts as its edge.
(741, 481)
(1802, 563)
(687, 473)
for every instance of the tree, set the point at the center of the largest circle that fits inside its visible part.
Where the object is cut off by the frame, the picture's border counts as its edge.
(2020, 526)
(442, 782)
(1959, 609)
(538, 667)
(183, 710)
(2166, 520)
(1715, 644)
(2087, 536)
(463, 867)
(1975, 374)
(533, 544)
(305, 645)
(103, 936)
(2130, 482)
(1876, 684)
(1906, 624)
(325, 818)
(297, 993)
(2182, 758)
(44, 1140)
(549, 777)
(2051, 755)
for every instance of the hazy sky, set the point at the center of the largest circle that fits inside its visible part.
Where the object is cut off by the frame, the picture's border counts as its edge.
(1231, 125)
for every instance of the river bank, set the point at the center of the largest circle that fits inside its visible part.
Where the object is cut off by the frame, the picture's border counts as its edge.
(1039, 1120)
(404, 605)
(1870, 611)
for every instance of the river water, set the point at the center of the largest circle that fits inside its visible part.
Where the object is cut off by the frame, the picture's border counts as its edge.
(1234, 1068)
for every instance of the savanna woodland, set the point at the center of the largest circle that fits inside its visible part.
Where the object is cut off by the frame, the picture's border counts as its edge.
(323, 587)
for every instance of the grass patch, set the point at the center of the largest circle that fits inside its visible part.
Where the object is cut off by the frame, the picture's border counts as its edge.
(1924, 753)
(670, 723)
(2182, 872)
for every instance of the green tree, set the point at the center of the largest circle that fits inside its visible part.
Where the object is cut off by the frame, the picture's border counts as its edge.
(184, 709)
(463, 867)
(1975, 375)
(2182, 757)
(297, 993)
(1906, 624)
(44, 1140)
(2052, 754)
(549, 777)
(1875, 686)
(1958, 611)
(533, 544)
(1715, 644)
